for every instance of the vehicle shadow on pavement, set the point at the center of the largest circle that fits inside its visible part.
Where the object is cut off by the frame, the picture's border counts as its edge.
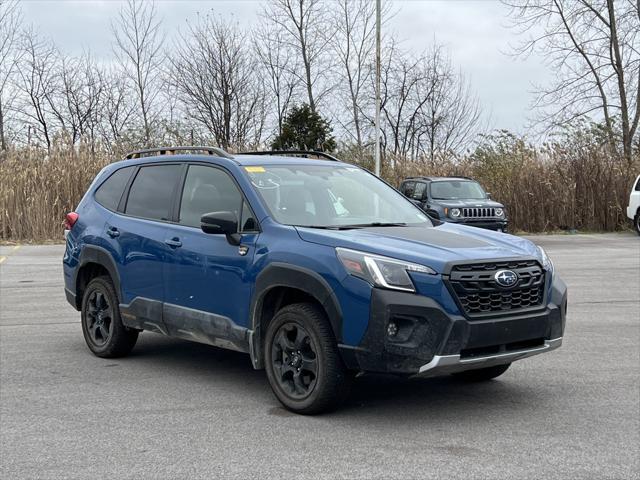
(441, 396)
(403, 399)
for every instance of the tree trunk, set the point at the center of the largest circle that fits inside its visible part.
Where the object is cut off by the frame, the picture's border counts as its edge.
(619, 70)
(305, 60)
(3, 144)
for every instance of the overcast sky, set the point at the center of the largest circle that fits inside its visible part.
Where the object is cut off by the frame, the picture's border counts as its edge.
(476, 33)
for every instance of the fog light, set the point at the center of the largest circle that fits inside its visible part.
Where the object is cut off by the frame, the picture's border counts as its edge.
(392, 329)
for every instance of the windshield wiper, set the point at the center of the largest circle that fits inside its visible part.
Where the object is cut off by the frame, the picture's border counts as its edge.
(353, 226)
(329, 227)
(376, 224)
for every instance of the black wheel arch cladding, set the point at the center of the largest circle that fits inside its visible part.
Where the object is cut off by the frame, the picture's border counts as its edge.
(288, 276)
(93, 254)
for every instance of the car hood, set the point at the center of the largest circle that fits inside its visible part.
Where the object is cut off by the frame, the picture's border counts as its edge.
(462, 203)
(431, 246)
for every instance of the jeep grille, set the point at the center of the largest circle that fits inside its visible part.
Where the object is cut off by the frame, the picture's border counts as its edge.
(479, 295)
(479, 212)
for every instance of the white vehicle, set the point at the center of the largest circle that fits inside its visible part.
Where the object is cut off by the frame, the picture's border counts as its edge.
(633, 210)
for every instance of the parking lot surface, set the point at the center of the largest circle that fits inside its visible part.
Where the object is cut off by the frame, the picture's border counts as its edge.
(175, 409)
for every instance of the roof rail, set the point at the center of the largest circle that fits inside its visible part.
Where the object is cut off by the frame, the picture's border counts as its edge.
(297, 153)
(172, 151)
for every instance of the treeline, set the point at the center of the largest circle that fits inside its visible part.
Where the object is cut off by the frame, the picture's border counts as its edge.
(217, 82)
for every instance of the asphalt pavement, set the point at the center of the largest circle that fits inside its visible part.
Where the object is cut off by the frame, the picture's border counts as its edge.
(175, 409)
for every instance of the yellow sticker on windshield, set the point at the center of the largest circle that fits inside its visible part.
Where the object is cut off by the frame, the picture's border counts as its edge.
(255, 169)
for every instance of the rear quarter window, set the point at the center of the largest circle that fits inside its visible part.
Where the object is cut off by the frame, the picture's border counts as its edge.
(110, 192)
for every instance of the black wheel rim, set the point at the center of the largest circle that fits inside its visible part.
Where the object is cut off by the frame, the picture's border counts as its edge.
(99, 318)
(294, 360)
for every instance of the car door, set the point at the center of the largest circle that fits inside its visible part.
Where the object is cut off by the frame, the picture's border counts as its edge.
(208, 284)
(139, 232)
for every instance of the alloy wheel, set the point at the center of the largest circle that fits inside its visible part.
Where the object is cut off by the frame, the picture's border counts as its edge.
(294, 360)
(99, 318)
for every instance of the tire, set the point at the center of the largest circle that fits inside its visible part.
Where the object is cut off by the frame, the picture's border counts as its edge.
(636, 223)
(482, 374)
(302, 361)
(102, 327)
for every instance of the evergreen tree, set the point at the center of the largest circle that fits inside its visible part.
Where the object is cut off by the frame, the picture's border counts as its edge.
(304, 129)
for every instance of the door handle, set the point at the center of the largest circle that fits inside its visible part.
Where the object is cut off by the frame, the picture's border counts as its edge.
(113, 232)
(173, 242)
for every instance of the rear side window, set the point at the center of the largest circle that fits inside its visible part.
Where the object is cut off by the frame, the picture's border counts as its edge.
(109, 193)
(206, 190)
(151, 192)
(638, 185)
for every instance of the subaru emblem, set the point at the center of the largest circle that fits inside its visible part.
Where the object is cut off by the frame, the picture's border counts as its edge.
(506, 278)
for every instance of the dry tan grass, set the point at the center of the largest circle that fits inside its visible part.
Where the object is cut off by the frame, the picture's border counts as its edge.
(544, 191)
(37, 191)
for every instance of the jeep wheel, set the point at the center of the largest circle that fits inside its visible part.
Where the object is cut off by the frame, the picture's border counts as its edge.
(482, 374)
(101, 325)
(303, 364)
(636, 223)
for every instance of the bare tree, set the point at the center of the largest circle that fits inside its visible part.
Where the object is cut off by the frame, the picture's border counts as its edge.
(449, 119)
(117, 107)
(138, 44)
(307, 27)
(214, 73)
(353, 44)
(10, 19)
(275, 57)
(38, 84)
(593, 48)
(76, 101)
(428, 109)
(400, 74)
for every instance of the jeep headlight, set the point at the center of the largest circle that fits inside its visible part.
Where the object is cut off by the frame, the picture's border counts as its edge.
(499, 212)
(381, 271)
(547, 264)
(454, 212)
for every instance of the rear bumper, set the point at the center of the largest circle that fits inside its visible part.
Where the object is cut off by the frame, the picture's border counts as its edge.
(432, 341)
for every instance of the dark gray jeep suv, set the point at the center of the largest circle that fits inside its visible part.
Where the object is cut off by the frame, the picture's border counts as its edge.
(456, 200)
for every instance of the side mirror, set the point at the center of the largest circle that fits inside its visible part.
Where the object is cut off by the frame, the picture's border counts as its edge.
(488, 195)
(218, 223)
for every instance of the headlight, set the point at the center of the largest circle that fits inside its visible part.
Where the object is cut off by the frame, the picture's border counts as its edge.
(381, 271)
(454, 212)
(499, 212)
(547, 264)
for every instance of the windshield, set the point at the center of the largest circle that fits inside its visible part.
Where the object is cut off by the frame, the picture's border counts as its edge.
(326, 196)
(456, 189)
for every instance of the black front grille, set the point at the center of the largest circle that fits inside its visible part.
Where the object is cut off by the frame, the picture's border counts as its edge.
(478, 293)
(483, 212)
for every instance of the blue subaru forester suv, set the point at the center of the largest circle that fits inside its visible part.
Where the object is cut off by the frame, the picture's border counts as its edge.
(315, 268)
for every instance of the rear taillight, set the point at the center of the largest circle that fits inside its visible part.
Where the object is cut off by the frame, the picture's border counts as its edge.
(70, 220)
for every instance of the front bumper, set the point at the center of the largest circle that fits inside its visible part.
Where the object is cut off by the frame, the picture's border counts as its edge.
(447, 364)
(499, 225)
(432, 341)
